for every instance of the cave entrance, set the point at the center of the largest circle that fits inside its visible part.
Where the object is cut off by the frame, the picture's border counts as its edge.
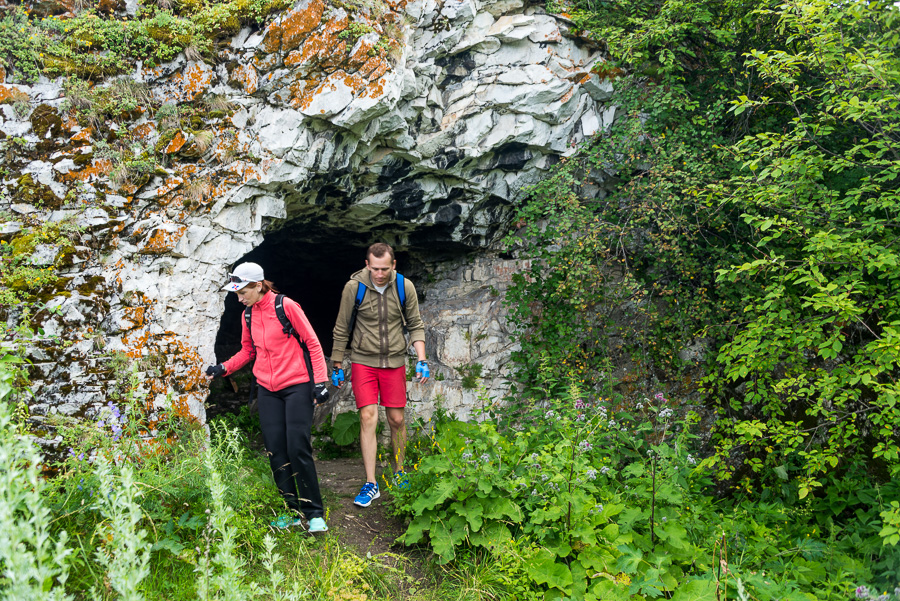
(311, 273)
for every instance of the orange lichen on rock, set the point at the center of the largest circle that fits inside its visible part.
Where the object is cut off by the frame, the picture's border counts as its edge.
(136, 343)
(369, 66)
(83, 136)
(97, 168)
(144, 130)
(10, 94)
(192, 378)
(360, 55)
(302, 93)
(136, 316)
(324, 43)
(194, 81)
(162, 240)
(382, 68)
(290, 31)
(354, 82)
(176, 144)
(170, 184)
(246, 76)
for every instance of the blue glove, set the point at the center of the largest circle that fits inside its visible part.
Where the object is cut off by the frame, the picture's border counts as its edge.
(422, 370)
(337, 377)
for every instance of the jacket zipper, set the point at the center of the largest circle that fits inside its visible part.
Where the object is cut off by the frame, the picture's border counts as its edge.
(382, 327)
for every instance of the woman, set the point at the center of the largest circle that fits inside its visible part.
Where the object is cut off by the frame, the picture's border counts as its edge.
(285, 398)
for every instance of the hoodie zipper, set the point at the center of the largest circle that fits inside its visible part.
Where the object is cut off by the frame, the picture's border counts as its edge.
(383, 327)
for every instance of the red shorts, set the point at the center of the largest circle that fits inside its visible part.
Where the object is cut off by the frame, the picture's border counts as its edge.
(368, 382)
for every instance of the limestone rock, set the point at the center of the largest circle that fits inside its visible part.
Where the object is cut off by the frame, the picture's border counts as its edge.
(425, 134)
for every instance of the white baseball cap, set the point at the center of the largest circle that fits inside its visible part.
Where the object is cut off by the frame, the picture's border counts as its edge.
(245, 273)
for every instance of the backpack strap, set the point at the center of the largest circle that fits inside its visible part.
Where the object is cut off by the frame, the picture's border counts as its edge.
(247, 320)
(401, 295)
(288, 328)
(401, 291)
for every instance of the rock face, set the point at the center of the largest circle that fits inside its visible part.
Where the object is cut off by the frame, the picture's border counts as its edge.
(422, 134)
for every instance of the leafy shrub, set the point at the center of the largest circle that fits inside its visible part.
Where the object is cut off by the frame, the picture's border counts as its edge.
(93, 47)
(815, 360)
(20, 46)
(606, 503)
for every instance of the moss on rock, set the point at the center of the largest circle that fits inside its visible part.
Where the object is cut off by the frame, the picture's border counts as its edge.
(36, 193)
(45, 119)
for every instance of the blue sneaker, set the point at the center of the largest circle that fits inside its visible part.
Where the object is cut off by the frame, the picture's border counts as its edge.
(285, 521)
(368, 493)
(401, 480)
(317, 525)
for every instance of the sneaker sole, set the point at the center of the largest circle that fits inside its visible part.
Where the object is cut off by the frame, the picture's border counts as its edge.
(377, 494)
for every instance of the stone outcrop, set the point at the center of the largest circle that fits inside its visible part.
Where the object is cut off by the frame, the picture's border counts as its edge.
(421, 128)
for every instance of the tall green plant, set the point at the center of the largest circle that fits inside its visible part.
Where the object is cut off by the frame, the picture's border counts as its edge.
(817, 360)
(125, 553)
(34, 558)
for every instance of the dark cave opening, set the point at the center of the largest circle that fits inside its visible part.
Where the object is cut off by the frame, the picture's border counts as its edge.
(311, 273)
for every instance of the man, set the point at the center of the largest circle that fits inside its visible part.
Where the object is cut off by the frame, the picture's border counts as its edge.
(378, 355)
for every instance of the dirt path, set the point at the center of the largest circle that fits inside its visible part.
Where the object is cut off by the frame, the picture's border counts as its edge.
(367, 529)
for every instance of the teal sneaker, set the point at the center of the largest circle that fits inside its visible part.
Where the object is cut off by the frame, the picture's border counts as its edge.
(368, 493)
(285, 521)
(401, 480)
(317, 525)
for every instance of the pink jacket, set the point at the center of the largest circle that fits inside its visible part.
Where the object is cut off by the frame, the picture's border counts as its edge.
(279, 359)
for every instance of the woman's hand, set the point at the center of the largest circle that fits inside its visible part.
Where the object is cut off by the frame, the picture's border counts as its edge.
(215, 370)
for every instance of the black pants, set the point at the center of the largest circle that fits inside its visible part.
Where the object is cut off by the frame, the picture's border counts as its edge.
(285, 418)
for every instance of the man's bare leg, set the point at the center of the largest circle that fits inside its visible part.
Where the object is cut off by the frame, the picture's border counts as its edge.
(368, 421)
(396, 418)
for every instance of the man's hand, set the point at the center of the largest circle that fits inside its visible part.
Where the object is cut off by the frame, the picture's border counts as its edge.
(337, 376)
(215, 370)
(320, 394)
(422, 371)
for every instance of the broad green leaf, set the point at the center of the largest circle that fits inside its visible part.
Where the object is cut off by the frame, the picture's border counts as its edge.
(439, 492)
(492, 535)
(544, 569)
(696, 590)
(345, 429)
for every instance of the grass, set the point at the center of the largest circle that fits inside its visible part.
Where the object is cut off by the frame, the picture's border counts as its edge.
(203, 507)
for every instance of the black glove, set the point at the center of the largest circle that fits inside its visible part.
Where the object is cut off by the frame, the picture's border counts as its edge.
(320, 394)
(215, 370)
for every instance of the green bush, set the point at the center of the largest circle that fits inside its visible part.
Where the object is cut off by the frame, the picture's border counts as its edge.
(606, 503)
(20, 46)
